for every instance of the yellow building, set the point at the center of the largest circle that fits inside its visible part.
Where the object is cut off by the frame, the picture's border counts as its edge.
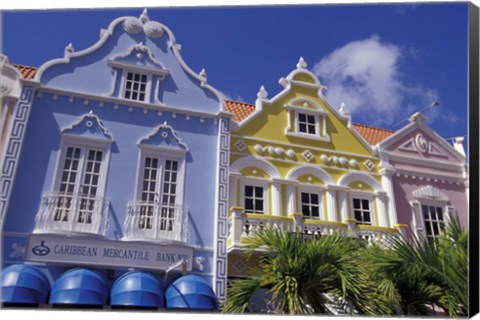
(299, 164)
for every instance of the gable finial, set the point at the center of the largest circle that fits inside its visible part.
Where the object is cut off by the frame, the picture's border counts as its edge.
(344, 110)
(301, 63)
(203, 73)
(69, 49)
(262, 93)
(144, 16)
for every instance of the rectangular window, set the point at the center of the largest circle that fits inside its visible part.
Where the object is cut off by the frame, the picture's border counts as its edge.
(307, 123)
(434, 221)
(310, 203)
(361, 211)
(79, 184)
(159, 190)
(135, 87)
(253, 199)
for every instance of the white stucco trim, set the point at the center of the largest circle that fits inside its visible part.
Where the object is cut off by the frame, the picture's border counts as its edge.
(254, 161)
(313, 170)
(360, 177)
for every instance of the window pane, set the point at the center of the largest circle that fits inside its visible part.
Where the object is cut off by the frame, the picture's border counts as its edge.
(259, 192)
(315, 212)
(356, 203)
(248, 204)
(302, 117)
(311, 129)
(439, 213)
(248, 191)
(305, 197)
(306, 210)
(358, 216)
(302, 127)
(259, 205)
(314, 198)
(365, 204)
(366, 217)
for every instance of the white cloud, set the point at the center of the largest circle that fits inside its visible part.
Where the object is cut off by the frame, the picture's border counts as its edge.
(365, 75)
(230, 97)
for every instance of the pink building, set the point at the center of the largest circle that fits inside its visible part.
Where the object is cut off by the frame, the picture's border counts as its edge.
(428, 177)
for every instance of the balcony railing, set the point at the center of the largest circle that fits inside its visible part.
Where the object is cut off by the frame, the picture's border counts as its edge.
(155, 221)
(66, 212)
(243, 225)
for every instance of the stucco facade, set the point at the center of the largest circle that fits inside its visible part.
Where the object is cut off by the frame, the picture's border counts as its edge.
(297, 163)
(120, 137)
(426, 172)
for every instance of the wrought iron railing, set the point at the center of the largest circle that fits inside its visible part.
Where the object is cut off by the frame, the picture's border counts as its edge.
(67, 212)
(156, 221)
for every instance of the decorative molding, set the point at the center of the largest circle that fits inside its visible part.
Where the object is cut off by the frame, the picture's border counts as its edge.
(255, 161)
(313, 170)
(335, 160)
(267, 141)
(18, 250)
(221, 231)
(14, 148)
(240, 145)
(308, 155)
(369, 164)
(10, 86)
(89, 124)
(132, 25)
(164, 137)
(278, 151)
(429, 192)
(360, 177)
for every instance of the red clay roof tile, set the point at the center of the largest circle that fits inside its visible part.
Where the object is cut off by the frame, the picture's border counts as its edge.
(26, 71)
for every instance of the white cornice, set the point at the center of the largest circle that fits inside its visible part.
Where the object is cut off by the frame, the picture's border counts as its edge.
(421, 175)
(131, 103)
(436, 164)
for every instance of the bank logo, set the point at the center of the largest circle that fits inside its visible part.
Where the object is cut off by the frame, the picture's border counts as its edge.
(41, 250)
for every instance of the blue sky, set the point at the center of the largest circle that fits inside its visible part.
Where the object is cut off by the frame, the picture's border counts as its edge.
(384, 61)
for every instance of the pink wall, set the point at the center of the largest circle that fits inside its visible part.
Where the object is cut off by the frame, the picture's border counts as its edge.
(403, 190)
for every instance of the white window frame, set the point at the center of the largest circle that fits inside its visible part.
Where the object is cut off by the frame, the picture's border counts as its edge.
(418, 218)
(256, 183)
(163, 154)
(315, 190)
(293, 128)
(363, 196)
(83, 143)
(148, 85)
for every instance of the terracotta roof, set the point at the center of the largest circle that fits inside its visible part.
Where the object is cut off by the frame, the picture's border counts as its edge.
(26, 71)
(371, 134)
(240, 109)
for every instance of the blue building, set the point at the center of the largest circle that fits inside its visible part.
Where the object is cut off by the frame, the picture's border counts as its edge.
(118, 184)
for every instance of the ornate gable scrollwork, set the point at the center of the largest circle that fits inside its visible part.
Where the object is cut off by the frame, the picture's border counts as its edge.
(164, 137)
(89, 126)
(139, 56)
(420, 144)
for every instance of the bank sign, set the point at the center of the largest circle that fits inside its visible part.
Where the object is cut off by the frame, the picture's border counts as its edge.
(107, 253)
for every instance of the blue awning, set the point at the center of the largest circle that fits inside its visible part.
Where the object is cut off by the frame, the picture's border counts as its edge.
(80, 287)
(139, 289)
(23, 284)
(191, 292)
